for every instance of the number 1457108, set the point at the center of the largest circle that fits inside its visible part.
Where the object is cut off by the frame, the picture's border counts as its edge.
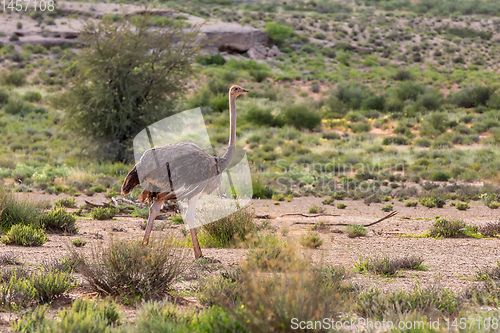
(25, 5)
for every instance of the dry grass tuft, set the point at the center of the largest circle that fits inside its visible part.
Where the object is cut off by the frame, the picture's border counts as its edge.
(129, 268)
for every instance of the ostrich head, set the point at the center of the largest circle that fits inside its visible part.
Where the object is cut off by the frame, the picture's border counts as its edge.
(237, 90)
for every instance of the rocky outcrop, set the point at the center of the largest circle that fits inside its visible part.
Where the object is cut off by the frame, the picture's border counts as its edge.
(218, 36)
(233, 38)
(260, 52)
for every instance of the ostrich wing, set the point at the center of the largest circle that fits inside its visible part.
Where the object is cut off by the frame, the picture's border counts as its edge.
(192, 171)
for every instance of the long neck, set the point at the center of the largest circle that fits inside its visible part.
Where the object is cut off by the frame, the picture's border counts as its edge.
(225, 160)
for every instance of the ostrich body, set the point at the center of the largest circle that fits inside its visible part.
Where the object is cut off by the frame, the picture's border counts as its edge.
(181, 171)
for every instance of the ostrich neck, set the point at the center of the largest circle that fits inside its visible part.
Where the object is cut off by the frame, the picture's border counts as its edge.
(225, 160)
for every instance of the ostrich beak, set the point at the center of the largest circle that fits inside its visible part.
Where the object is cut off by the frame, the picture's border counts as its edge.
(244, 90)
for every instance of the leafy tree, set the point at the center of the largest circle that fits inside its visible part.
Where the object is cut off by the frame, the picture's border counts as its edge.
(127, 77)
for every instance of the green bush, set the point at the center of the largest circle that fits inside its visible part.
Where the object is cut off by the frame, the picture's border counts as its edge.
(59, 220)
(215, 59)
(261, 117)
(449, 229)
(440, 176)
(25, 235)
(356, 230)
(461, 205)
(101, 213)
(18, 107)
(410, 203)
(32, 96)
(15, 78)
(388, 208)
(51, 284)
(427, 202)
(278, 32)
(421, 142)
(4, 97)
(301, 117)
(471, 97)
(341, 205)
(98, 189)
(68, 202)
(395, 140)
(494, 205)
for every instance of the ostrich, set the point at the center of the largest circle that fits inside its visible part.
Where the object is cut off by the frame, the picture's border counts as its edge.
(193, 172)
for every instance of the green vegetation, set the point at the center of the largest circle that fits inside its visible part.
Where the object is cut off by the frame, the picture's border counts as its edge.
(79, 242)
(25, 235)
(369, 100)
(101, 213)
(356, 230)
(148, 91)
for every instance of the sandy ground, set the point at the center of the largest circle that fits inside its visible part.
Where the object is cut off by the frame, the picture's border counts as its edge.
(451, 263)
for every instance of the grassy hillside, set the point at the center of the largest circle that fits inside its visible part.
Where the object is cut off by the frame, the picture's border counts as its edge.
(389, 91)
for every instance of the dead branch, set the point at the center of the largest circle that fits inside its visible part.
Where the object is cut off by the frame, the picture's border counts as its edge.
(391, 214)
(310, 215)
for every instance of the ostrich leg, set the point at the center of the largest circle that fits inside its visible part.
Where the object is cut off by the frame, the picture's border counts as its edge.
(154, 210)
(190, 217)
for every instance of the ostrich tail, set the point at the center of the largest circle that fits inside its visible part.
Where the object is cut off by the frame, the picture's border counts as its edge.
(131, 181)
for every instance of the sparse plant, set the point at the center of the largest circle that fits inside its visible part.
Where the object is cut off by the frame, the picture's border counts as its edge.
(68, 202)
(341, 205)
(79, 242)
(311, 240)
(356, 230)
(461, 205)
(177, 219)
(388, 208)
(314, 209)
(410, 203)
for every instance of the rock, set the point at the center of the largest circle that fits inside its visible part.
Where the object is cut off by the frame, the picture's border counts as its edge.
(274, 52)
(258, 52)
(230, 37)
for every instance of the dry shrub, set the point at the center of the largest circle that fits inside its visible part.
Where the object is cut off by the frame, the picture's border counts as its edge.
(491, 229)
(430, 300)
(311, 240)
(130, 268)
(389, 266)
(266, 300)
(229, 230)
